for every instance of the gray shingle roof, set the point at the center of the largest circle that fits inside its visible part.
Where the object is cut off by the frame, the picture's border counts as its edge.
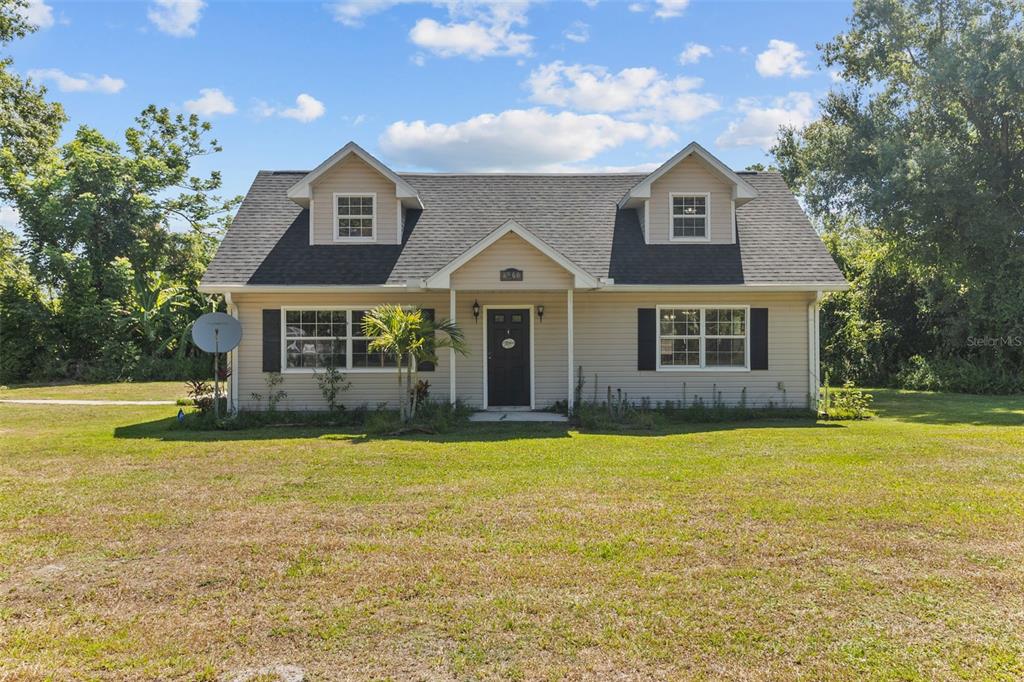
(268, 242)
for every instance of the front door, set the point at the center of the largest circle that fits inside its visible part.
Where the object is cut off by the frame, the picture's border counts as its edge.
(508, 357)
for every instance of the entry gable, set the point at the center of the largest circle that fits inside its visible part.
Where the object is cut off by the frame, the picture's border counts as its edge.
(515, 244)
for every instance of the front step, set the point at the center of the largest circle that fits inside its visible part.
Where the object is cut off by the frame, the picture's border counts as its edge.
(516, 416)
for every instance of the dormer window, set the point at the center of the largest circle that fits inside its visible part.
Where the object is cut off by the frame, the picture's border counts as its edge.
(690, 216)
(355, 217)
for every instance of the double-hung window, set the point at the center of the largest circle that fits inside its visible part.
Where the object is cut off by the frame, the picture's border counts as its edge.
(689, 215)
(354, 216)
(702, 337)
(319, 338)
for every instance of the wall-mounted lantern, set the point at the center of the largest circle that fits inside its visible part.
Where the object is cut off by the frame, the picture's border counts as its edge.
(476, 311)
(540, 313)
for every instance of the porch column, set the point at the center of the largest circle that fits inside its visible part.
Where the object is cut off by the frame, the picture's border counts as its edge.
(451, 351)
(569, 341)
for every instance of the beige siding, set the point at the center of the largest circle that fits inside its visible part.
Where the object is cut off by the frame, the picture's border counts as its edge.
(511, 251)
(368, 388)
(606, 344)
(605, 336)
(551, 370)
(355, 176)
(692, 174)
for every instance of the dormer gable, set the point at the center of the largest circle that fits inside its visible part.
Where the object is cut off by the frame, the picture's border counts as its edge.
(691, 198)
(354, 198)
(301, 191)
(742, 190)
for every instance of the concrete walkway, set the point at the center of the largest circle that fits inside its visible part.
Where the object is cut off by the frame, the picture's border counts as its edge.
(516, 416)
(57, 401)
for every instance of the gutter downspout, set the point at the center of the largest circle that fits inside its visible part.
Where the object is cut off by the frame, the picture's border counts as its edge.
(814, 350)
(232, 361)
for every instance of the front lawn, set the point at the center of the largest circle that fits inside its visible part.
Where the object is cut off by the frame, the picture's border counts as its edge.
(143, 390)
(891, 548)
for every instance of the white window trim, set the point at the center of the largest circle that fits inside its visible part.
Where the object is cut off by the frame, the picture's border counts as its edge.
(348, 369)
(703, 367)
(671, 217)
(373, 219)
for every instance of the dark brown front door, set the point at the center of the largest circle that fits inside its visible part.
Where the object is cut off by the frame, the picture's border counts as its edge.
(508, 357)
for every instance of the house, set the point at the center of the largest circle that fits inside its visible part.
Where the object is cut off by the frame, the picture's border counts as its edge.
(692, 280)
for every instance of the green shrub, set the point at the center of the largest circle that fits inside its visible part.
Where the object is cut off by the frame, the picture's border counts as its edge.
(645, 416)
(845, 403)
(332, 382)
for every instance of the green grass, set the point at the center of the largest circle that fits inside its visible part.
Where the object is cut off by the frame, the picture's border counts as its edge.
(885, 549)
(151, 390)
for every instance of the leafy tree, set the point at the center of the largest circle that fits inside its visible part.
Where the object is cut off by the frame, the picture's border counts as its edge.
(97, 200)
(29, 125)
(24, 310)
(410, 337)
(925, 147)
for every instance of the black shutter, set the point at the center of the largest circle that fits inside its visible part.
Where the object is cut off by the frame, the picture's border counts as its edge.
(271, 339)
(646, 339)
(758, 338)
(426, 366)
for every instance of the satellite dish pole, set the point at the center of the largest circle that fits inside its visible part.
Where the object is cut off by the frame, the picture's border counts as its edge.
(216, 373)
(207, 333)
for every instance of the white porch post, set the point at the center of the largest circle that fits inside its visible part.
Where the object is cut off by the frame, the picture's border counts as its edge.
(451, 351)
(569, 316)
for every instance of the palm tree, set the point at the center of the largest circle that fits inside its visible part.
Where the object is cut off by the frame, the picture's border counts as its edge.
(410, 337)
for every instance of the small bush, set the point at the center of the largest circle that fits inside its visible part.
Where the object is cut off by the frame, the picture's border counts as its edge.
(432, 417)
(332, 382)
(845, 403)
(645, 416)
(200, 392)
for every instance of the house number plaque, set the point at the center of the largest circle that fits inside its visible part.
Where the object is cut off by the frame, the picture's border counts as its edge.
(508, 344)
(511, 275)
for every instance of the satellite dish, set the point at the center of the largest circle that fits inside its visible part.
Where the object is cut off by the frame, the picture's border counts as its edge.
(217, 332)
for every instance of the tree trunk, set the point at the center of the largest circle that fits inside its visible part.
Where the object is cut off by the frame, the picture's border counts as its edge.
(401, 398)
(414, 395)
(410, 412)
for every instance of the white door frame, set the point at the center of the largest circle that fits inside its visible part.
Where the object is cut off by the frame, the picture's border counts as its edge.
(533, 349)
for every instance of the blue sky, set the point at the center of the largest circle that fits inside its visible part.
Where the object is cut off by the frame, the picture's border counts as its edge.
(460, 86)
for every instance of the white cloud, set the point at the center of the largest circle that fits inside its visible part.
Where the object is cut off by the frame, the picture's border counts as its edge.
(307, 108)
(211, 102)
(578, 32)
(353, 12)
(514, 140)
(176, 17)
(642, 92)
(591, 3)
(9, 217)
(418, 59)
(693, 53)
(83, 82)
(836, 75)
(38, 14)
(760, 124)
(780, 59)
(637, 7)
(668, 9)
(476, 30)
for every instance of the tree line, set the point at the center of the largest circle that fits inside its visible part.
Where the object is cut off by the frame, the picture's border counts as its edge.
(914, 174)
(99, 286)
